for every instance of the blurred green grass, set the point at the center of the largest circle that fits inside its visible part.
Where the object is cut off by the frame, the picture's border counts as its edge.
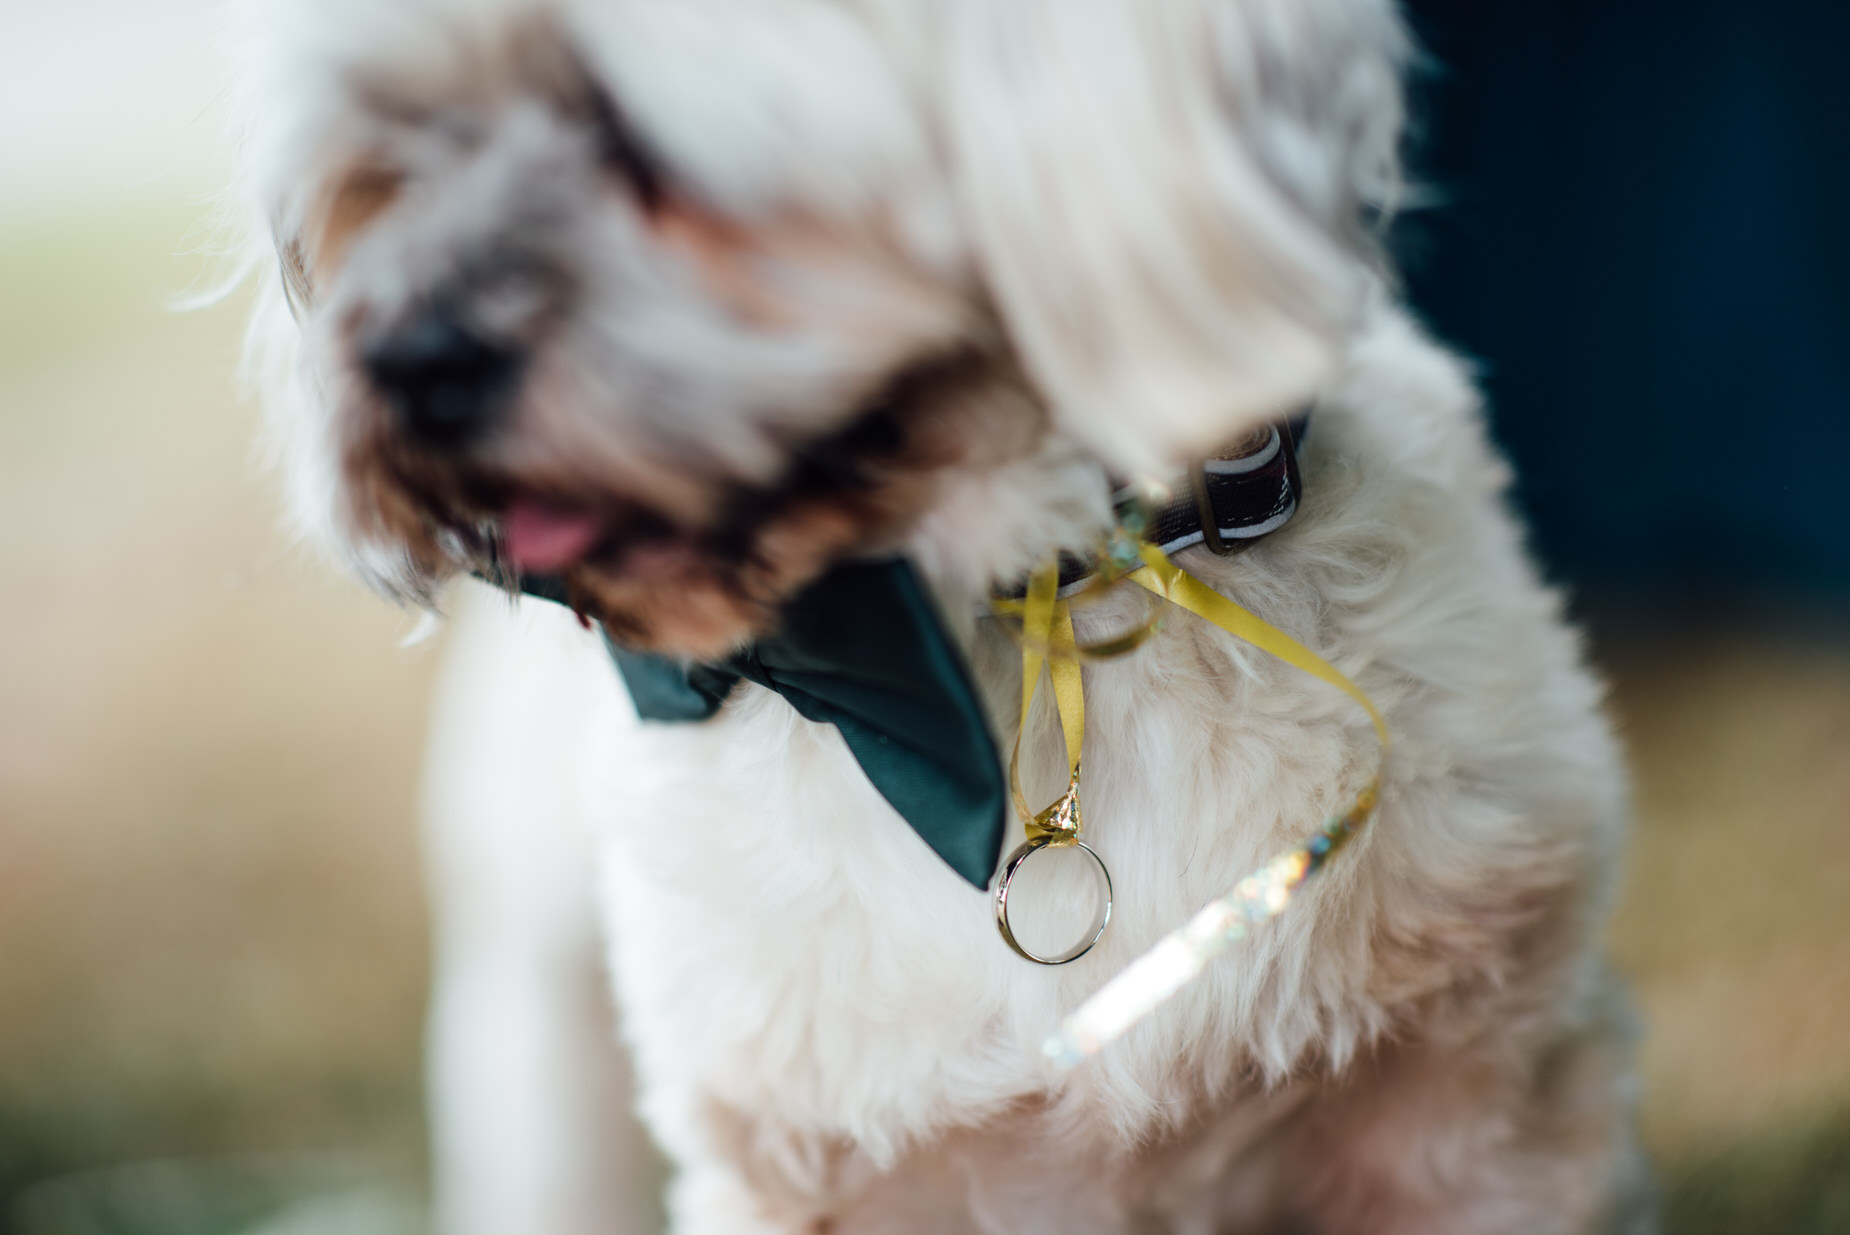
(211, 935)
(247, 1195)
(1788, 1179)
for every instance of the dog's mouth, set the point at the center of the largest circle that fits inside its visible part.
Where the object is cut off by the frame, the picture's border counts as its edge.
(542, 536)
(702, 587)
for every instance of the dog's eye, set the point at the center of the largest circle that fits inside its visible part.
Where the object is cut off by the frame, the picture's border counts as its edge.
(623, 151)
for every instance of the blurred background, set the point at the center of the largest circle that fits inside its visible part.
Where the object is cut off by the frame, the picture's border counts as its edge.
(212, 943)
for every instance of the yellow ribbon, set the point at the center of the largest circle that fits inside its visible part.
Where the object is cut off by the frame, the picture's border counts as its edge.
(1048, 639)
(1160, 575)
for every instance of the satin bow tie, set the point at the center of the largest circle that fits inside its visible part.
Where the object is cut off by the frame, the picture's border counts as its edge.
(862, 649)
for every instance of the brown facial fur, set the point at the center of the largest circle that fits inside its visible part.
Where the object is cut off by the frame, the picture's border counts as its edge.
(730, 574)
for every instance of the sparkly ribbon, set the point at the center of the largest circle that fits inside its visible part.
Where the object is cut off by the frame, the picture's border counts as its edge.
(1182, 955)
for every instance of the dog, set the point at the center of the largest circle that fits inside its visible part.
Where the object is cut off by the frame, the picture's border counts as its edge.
(686, 304)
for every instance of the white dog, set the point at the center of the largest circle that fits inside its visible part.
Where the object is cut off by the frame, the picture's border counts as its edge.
(686, 303)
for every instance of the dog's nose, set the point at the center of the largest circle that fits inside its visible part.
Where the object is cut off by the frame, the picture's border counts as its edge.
(445, 381)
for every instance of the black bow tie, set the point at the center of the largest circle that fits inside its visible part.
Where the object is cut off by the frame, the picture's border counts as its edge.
(863, 649)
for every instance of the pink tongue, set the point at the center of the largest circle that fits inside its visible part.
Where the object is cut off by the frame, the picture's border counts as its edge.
(541, 538)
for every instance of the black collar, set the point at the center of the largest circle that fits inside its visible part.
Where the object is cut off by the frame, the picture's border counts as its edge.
(1229, 503)
(1237, 497)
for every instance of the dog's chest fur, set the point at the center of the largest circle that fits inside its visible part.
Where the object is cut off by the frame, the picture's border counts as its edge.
(797, 971)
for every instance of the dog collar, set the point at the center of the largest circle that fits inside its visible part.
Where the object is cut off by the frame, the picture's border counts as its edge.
(863, 648)
(1232, 501)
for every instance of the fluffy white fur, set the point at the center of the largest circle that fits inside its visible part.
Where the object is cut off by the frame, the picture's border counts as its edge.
(1154, 213)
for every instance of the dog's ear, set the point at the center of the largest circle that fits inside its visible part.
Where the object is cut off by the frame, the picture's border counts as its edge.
(1167, 200)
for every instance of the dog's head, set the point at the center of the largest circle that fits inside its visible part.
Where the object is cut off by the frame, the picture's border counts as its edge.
(684, 300)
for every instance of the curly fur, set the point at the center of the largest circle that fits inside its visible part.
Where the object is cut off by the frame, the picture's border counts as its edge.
(1127, 231)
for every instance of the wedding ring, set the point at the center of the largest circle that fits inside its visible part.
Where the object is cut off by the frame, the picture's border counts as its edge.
(1012, 867)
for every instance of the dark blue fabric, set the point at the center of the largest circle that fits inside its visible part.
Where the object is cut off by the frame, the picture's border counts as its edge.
(1640, 233)
(664, 689)
(863, 649)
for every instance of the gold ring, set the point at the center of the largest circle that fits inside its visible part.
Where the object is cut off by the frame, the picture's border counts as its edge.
(1013, 866)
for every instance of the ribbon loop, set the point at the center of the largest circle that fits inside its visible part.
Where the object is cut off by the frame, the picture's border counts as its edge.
(1048, 641)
